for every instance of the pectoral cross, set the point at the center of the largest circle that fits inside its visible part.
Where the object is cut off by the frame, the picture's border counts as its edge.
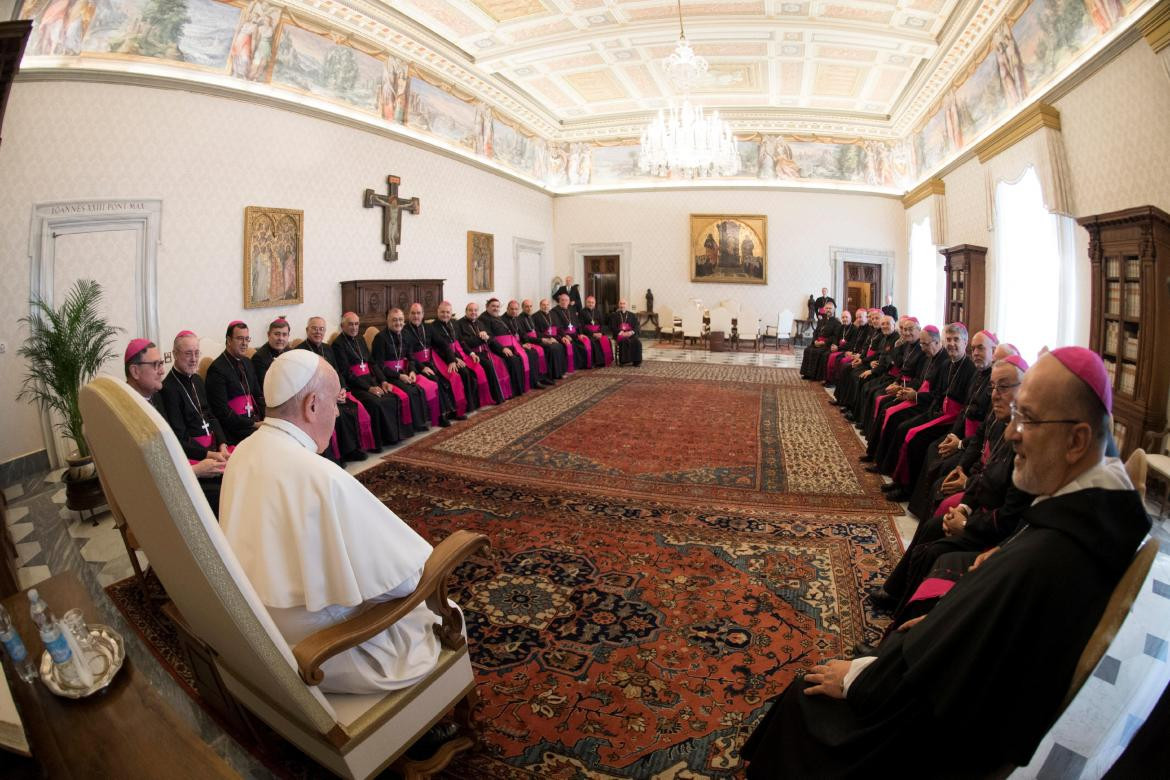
(206, 428)
(247, 409)
(392, 208)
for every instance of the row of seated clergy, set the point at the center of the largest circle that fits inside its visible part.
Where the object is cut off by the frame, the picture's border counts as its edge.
(982, 675)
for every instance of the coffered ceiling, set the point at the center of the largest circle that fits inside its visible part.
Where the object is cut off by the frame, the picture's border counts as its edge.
(593, 68)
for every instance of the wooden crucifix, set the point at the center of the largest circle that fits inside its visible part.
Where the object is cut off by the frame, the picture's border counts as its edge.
(392, 208)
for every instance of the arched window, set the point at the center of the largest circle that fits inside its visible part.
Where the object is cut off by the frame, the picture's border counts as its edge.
(926, 280)
(1034, 296)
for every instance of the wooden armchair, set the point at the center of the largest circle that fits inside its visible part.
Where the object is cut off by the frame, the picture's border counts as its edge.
(1158, 463)
(142, 466)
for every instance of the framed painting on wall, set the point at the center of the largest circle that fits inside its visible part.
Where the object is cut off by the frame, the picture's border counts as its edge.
(274, 273)
(481, 262)
(729, 248)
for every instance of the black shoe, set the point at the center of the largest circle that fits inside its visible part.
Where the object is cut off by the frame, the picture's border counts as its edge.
(457, 416)
(429, 743)
(880, 597)
(355, 456)
(890, 487)
(874, 469)
(829, 386)
(849, 416)
(444, 422)
(865, 459)
(637, 364)
(899, 495)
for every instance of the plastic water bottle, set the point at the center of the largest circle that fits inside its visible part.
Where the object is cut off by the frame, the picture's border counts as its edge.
(54, 640)
(15, 647)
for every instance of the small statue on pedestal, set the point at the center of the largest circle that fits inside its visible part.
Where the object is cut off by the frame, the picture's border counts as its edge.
(649, 301)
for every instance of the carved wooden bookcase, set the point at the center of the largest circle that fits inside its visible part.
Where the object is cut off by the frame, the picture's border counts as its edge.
(370, 299)
(966, 285)
(1129, 257)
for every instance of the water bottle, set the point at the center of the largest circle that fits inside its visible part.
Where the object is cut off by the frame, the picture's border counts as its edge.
(54, 640)
(15, 647)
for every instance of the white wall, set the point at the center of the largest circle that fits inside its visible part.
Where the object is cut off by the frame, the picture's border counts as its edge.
(209, 157)
(802, 226)
(1114, 126)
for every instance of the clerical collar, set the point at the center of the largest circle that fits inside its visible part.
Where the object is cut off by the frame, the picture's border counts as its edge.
(1109, 474)
(291, 429)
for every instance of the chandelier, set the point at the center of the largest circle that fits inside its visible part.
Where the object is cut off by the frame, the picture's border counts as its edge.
(683, 140)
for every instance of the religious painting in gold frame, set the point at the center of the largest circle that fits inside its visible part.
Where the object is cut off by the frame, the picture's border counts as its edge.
(481, 262)
(274, 271)
(729, 248)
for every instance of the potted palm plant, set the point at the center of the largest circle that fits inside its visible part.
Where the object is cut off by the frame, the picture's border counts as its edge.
(64, 350)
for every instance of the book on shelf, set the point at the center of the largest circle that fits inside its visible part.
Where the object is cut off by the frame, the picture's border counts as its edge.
(1113, 267)
(1131, 348)
(1133, 301)
(1112, 336)
(1111, 369)
(1133, 268)
(1128, 378)
(1113, 298)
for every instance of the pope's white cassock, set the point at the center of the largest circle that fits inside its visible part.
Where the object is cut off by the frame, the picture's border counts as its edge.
(316, 545)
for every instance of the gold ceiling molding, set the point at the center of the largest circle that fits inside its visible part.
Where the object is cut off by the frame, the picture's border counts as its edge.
(1030, 120)
(924, 191)
(1155, 26)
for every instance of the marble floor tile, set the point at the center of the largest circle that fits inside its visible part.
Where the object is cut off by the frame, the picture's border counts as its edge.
(29, 576)
(83, 527)
(56, 475)
(26, 552)
(13, 492)
(20, 530)
(59, 496)
(104, 547)
(16, 514)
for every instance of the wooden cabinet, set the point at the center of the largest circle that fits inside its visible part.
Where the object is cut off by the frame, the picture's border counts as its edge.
(372, 298)
(966, 285)
(1129, 256)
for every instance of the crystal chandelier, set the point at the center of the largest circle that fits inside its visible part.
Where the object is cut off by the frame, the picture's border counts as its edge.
(684, 141)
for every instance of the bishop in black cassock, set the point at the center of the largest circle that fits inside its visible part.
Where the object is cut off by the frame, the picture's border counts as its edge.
(623, 326)
(236, 395)
(458, 363)
(362, 378)
(554, 348)
(568, 326)
(399, 369)
(981, 678)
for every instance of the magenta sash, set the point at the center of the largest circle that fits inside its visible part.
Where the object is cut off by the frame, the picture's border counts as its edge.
(241, 405)
(951, 501)
(454, 379)
(606, 347)
(403, 405)
(584, 341)
(365, 426)
(205, 441)
(895, 372)
(539, 352)
(481, 380)
(569, 367)
(969, 428)
(951, 409)
(836, 360)
(513, 343)
(430, 387)
(502, 375)
(870, 353)
(932, 588)
(395, 365)
(894, 409)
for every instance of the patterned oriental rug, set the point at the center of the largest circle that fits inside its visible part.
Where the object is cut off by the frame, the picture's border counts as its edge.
(642, 599)
(707, 435)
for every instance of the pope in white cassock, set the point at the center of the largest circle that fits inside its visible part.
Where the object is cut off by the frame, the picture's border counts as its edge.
(314, 542)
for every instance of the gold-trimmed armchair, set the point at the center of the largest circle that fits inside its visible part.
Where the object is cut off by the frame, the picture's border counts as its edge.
(143, 468)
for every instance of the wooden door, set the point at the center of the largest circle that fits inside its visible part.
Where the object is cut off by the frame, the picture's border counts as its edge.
(863, 286)
(602, 275)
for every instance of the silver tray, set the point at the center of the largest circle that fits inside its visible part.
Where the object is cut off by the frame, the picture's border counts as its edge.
(104, 663)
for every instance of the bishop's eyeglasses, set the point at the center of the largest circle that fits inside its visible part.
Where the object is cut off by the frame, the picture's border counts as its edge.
(1020, 421)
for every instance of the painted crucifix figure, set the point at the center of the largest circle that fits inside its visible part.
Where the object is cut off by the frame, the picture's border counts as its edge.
(392, 208)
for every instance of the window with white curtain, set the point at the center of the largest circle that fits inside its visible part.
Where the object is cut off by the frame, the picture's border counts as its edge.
(926, 280)
(1034, 290)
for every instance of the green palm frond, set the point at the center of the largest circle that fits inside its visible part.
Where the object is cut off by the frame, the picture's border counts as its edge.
(64, 350)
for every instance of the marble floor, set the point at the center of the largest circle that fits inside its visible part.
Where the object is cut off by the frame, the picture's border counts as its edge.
(50, 539)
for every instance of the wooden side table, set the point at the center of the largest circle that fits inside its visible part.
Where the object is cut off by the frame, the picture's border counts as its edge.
(127, 731)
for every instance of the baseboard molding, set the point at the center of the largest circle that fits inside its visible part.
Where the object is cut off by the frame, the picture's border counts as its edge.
(18, 469)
